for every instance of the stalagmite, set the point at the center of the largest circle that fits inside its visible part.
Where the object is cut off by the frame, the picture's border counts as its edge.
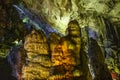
(38, 66)
(69, 62)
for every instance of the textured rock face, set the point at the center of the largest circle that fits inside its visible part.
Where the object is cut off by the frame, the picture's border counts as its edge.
(34, 38)
(38, 66)
(100, 15)
(59, 12)
(63, 62)
(68, 60)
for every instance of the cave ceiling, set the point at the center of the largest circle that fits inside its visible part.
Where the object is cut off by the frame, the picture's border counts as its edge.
(59, 12)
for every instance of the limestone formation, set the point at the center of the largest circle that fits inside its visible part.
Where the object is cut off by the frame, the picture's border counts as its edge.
(38, 66)
(67, 60)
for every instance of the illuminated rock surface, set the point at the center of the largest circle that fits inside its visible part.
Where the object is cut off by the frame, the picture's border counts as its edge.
(68, 60)
(60, 12)
(38, 66)
(102, 16)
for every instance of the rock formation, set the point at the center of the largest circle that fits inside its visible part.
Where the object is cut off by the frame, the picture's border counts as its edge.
(38, 62)
(69, 62)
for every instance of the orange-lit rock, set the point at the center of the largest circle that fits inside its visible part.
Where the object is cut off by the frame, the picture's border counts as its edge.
(68, 61)
(38, 56)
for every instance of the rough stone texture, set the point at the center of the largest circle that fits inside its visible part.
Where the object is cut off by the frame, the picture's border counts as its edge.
(38, 66)
(69, 62)
(60, 12)
(34, 38)
(63, 62)
(103, 16)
